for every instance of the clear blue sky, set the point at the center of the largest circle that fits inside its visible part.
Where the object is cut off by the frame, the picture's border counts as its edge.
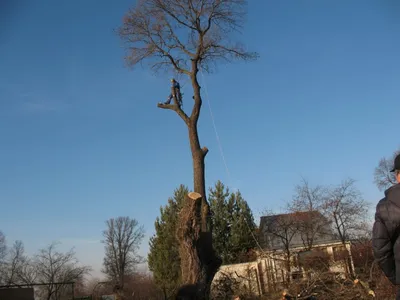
(83, 141)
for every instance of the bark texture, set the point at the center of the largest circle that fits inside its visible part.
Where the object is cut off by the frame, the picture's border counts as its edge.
(198, 261)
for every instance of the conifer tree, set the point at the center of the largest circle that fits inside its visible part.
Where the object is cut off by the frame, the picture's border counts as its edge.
(222, 214)
(233, 224)
(163, 257)
(243, 230)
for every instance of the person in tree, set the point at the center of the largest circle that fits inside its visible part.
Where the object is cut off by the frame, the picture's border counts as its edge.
(175, 93)
(386, 231)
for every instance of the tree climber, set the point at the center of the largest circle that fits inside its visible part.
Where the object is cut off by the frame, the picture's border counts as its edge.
(175, 93)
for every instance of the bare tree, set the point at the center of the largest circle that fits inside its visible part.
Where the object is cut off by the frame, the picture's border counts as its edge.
(14, 264)
(313, 224)
(383, 178)
(279, 232)
(347, 209)
(3, 253)
(56, 267)
(27, 273)
(187, 37)
(3, 246)
(122, 239)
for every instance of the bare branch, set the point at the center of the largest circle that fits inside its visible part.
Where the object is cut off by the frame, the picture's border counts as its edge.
(177, 109)
(383, 178)
(178, 31)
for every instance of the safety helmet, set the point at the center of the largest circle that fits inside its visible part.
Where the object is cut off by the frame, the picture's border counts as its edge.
(172, 79)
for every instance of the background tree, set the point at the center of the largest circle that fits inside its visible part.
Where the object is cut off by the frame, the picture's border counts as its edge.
(163, 257)
(187, 36)
(233, 224)
(122, 239)
(28, 272)
(13, 266)
(348, 211)
(53, 266)
(3, 246)
(243, 229)
(16, 267)
(383, 178)
(279, 230)
(80, 288)
(313, 224)
(221, 206)
(3, 253)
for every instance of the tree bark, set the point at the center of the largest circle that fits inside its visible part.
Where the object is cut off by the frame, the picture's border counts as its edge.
(198, 261)
(198, 156)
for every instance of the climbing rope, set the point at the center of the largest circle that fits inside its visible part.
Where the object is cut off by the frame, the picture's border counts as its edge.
(215, 127)
(223, 156)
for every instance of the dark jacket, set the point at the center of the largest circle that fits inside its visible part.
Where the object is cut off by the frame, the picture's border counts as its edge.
(385, 234)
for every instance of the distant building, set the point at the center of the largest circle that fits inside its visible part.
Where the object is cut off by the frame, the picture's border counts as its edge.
(311, 243)
(270, 233)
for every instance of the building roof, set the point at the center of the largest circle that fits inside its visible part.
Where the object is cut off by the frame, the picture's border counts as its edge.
(270, 227)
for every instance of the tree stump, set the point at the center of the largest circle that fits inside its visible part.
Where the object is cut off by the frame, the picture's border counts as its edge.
(198, 260)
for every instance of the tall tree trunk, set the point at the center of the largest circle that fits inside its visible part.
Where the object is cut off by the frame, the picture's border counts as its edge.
(288, 267)
(199, 184)
(198, 156)
(198, 260)
(202, 259)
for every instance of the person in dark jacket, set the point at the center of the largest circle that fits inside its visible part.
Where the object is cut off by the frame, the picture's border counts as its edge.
(386, 231)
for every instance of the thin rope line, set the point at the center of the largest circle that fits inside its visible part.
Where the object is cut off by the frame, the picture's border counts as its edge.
(226, 166)
(215, 127)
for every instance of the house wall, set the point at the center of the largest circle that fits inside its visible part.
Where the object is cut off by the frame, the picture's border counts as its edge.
(268, 273)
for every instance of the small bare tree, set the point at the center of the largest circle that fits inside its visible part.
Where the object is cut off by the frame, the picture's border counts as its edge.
(14, 264)
(3, 253)
(383, 178)
(187, 37)
(122, 239)
(57, 267)
(278, 233)
(348, 211)
(312, 224)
